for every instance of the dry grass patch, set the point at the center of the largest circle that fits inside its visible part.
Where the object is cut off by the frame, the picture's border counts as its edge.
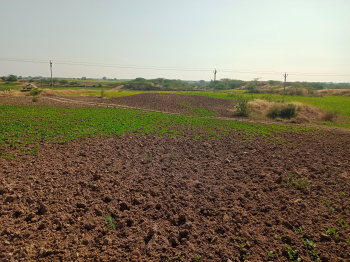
(261, 110)
(334, 92)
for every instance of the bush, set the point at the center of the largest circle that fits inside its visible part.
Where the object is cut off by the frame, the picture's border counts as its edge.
(252, 88)
(242, 108)
(282, 111)
(35, 92)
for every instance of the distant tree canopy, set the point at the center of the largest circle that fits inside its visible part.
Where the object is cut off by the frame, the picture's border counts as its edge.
(225, 84)
(159, 84)
(63, 81)
(10, 78)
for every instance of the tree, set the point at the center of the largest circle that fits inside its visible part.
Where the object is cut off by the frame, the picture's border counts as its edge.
(104, 78)
(12, 78)
(83, 78)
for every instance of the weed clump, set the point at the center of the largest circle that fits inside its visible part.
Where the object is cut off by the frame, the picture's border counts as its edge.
(330, 115)
(110, 222)
(282, 110)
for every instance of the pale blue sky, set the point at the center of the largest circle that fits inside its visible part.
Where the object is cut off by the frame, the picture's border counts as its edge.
(264, 37)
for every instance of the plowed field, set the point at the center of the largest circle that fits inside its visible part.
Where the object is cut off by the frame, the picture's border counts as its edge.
(156, 198)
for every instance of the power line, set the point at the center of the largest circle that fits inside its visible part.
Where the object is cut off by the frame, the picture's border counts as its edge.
(237, 71)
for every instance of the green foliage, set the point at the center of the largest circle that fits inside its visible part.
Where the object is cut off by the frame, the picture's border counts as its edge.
(110, 222)
(315, 257)
(294, 255)
(198, 110)
(63, 82)
(29, 124)
(342, 223)
(271, 254)
(299, 231)
(148, 158)
(290, 180)
(11, 78)
(309, 244)
(252, 88)
(245, 256)
(241, 242)
(282, 111)
(225, 84)
(242, 107)
(35, 92)
(303, 184)
(197, 257)
(326, 202)
(331, 231)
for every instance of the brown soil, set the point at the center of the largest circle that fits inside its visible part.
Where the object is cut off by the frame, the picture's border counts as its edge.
(174, 103)
(152, 101)
(217, 199)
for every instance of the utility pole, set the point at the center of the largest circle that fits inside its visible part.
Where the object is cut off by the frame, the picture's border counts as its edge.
(284, 89)
(51, 75)
(215, 71)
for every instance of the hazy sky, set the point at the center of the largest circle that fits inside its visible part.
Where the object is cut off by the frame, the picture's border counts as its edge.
(243, 39)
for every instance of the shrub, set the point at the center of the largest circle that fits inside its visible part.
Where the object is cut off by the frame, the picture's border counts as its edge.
(282, 111)
(35, 92)
(252, 88)
(242, 108)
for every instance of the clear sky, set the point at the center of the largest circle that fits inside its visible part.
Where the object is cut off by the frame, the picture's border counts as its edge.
(243, 39)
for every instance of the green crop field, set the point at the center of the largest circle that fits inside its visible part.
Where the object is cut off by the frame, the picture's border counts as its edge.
(5, 86)
(22, 126)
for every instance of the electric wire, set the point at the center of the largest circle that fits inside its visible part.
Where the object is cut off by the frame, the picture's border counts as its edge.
(238, 71)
